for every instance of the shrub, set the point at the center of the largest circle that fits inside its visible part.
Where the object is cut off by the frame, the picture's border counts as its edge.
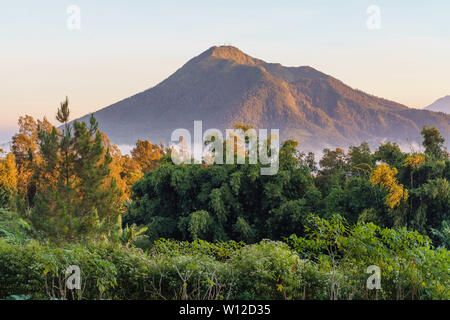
(190, 277)
(13, 228)
(132, 273)
(411, 269)
(19, 272)
(271, 270)
(40, 271)
(219, 250)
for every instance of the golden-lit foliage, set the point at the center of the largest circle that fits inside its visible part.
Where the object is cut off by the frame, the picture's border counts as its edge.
(8, 173)
(131, 171)
(116, 172)
(25, 143)
(125, 172)
(384, 176)
(123, 169)
(25, 147)
(415, 161)
(147, 154)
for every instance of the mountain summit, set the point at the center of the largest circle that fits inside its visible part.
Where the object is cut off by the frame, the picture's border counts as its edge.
(440, 105)
(223, 86)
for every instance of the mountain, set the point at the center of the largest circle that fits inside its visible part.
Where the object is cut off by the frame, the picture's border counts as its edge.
(223, 86)
(440, 105)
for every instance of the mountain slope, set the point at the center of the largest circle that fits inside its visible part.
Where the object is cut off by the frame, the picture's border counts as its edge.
(223, 86)
(440, 105)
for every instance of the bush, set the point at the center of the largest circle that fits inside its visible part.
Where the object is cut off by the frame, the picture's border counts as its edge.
(13, 228)
(19, 272)
(410, 267)
(98, 273)
(271, 270)
(219, 250)
(190, 277)
(132, 273)
(40, 271)
(201, 270)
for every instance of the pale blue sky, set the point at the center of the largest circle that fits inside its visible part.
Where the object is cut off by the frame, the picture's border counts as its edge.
(125, 47)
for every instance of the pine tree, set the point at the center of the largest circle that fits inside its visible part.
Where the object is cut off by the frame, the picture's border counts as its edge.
(76, 198)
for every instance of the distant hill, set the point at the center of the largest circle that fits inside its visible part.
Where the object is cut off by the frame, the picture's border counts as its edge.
(440, 105)
(223, 86)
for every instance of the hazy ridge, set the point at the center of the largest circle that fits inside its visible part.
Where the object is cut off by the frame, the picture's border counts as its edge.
(440, 105)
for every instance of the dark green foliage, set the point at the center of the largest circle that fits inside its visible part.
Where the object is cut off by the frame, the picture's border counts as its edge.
(219, 250)
(40, 271)
(270, 270)
(411, 269)
(13, 228)
(18, 274)
(222, 202)
(391, 154)
(433, 142)
(443, 234)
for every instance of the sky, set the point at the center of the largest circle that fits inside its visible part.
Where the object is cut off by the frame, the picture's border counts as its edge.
(398, 50)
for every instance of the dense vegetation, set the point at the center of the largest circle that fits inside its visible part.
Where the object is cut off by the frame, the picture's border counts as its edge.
(140, 227)
(219, 203)
(411, 269)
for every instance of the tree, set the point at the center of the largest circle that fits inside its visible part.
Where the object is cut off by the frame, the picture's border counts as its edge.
(391, 154)
(333, 160)
(123, 169)
(289, 155)
(414, 162)
(131, 172)
(385, 177)
(237, 203)
(361, 160)
(334, 170)
(76, 199)
(433, 142)
(25, 147)
(443, 234)
(221, 202)
(435, 196)
(309, 160)
(325, 236)
(8, 180)
(147, 154)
